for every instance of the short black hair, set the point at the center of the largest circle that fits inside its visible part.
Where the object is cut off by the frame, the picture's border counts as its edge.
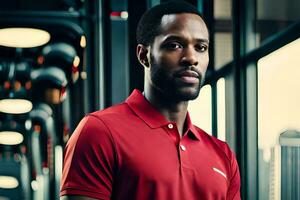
(149, 25)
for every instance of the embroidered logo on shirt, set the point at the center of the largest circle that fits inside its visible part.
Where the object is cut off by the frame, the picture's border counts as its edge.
(220, 172)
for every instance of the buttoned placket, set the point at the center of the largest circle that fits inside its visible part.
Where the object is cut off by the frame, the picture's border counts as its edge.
(182, 149)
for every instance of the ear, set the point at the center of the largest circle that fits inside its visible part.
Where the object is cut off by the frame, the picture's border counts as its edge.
(142, 54)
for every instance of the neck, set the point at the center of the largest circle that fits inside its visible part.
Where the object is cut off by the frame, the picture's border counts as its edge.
(172, 111)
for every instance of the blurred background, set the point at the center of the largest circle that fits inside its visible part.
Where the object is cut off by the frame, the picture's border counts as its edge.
(61, 59)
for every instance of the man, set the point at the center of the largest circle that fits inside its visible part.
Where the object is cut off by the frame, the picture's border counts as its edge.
(147, 148)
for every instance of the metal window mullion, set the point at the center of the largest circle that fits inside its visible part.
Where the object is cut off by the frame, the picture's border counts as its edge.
(99, 51)
(251, 101)
(214, 107)
(208, 15)
(239, 93)
(106, 44)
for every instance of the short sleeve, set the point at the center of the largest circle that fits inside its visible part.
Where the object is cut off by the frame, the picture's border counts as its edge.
(233, 192)
(89, 161)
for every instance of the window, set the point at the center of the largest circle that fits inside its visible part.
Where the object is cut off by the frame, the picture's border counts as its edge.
(200, 110)
(278, 113)
(274, 16)
(221, 109)
(223, 33)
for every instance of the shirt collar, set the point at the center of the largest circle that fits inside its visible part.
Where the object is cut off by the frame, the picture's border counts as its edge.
(154, 119)
(192, 129)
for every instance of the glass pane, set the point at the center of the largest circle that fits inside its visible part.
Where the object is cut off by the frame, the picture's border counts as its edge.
(275, 15)
(221, 109)
(223, 33)
(222, 9)
(278, 118)
(200, 110)
(223, 49)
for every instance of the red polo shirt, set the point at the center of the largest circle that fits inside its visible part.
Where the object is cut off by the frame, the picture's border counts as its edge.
(131, 152)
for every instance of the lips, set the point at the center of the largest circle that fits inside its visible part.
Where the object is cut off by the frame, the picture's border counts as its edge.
(189, 73)
(189, 76)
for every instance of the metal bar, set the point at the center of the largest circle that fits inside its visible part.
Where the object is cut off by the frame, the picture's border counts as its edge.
(208, 15)
(239, 78)
(100, 32)
(106, 27)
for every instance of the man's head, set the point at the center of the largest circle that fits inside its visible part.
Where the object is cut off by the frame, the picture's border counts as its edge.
(173, 47)
(150, 23)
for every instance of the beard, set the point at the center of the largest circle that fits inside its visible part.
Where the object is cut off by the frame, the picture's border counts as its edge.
(172, 89)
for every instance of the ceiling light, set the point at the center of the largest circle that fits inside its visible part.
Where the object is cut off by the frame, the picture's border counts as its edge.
(34, 185)
(11, 138)
(83, 75)
(124, 15)
(8, 182)
(76, 61)
(23, 37)
(83, 41)
(15, 106)
(28, 124)
(117, 14)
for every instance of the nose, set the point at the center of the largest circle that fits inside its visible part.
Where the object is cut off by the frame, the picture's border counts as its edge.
(189, 57)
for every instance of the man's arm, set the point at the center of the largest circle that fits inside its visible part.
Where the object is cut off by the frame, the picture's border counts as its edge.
(235, 181)
(89, 162)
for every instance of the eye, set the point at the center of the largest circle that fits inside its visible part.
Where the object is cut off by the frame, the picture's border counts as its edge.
(201, 47)
(172, 46)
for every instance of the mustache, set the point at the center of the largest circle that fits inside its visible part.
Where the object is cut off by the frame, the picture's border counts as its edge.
(189, 71)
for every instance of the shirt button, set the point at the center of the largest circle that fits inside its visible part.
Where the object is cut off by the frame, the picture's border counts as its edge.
(182, 147)
(170, 126)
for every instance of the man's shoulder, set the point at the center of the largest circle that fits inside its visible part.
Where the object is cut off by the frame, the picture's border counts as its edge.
(97, 124)
(115, 110)
(114, 114)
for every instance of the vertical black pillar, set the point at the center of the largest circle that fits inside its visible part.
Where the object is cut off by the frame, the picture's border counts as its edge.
(208, 15)
(240, 91)
(106, 27)
(136, 72)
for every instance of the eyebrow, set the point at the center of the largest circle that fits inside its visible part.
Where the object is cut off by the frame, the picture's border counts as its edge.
(175, 37)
